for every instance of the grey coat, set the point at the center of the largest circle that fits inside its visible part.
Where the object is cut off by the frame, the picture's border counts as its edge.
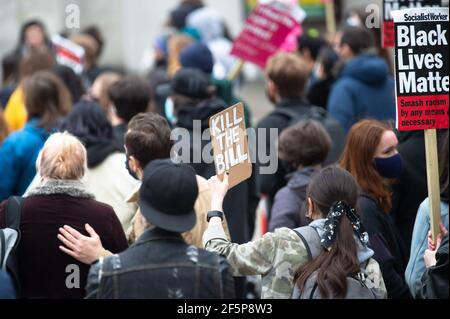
(289, 200)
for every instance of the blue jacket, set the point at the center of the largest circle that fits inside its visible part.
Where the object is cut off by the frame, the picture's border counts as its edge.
(364, 89)
(416, 265)
(18, 155)
(7, 290)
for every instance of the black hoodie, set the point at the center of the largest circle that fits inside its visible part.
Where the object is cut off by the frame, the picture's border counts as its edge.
(241, 201)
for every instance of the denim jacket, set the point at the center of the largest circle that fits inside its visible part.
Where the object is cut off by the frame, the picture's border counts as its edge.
(416, 265)
(160, 265)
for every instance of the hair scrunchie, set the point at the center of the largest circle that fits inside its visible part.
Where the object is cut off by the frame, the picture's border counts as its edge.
(332, 222)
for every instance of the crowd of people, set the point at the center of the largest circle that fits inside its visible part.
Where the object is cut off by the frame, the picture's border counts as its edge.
(107, 209)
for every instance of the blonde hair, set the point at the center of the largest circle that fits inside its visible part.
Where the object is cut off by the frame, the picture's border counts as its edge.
(62, 157)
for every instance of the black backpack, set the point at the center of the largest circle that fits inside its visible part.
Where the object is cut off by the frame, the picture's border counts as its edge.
(319, 114)
(10, 238)
(357, 285)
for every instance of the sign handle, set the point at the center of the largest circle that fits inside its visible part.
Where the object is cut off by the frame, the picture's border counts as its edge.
(329, 16)
(434, 193)
(235, 70)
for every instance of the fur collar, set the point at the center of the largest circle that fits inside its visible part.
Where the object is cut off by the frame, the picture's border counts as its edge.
(72, 188)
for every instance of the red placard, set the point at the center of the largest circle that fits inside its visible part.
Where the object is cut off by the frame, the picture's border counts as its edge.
(264, 32)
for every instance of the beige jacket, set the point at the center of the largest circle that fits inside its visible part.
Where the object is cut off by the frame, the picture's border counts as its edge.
(194, 236)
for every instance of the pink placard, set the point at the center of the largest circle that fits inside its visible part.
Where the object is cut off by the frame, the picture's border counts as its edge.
(264, 33)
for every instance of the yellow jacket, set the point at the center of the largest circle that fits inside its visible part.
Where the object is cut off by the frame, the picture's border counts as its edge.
(15, 112)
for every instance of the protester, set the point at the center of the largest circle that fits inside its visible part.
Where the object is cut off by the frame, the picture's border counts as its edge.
(148, 139)
(98, 93)
(416, 266)
(10, 78)
(175, 44)
(411, 188)
(58, 199)
(177, 17)
(173, 269)
(358, 16)
(198, 56)
(371, 156)
(158, 72)
(364, 87)
(302, 148)
(129, 96)
(277, 256)
(91, 49)
(96, 34)
(33, 36)
(4, 130)
(308, 48)
(435, 279)
(47, 100)
(210, 25)
(324, 78)
(286, 80)
(106, 177)
(32, 62)
(71, 80)
(194, 103)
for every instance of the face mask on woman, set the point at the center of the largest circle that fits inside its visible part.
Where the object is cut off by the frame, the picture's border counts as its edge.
(389, 167)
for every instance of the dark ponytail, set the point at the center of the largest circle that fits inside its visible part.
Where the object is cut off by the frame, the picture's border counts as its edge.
(329, 186)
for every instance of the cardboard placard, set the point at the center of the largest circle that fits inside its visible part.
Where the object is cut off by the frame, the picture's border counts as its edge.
(230, 145)
(68, 53)
(387, 32)
(264, 33)
(422, 68)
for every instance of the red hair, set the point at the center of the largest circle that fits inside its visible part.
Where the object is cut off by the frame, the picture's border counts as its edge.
(357, 158)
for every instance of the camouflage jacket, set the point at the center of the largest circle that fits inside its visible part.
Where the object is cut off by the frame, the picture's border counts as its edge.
(275, 256)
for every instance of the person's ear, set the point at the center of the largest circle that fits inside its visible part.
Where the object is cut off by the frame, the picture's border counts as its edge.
(306, 55)
(345, 51)
(310, 210)
(272, 91)
(135, 165)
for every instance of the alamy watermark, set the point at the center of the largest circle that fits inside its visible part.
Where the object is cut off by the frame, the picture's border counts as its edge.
(194, 147)
(72, 20)
(73, 277)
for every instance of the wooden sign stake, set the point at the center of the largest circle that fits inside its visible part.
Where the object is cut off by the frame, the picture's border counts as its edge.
(235, 70)
(329, 16)
(434, 194)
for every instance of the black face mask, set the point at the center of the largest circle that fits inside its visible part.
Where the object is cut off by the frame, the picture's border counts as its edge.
(130, 171)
